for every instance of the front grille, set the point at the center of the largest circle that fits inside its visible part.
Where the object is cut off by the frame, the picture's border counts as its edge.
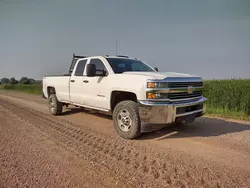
(184, 84)
(184, 95)
(178, 91)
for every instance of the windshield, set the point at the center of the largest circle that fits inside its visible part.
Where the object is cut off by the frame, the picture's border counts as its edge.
(120, 65)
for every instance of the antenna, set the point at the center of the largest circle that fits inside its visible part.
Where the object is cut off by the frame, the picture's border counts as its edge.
(116, 47)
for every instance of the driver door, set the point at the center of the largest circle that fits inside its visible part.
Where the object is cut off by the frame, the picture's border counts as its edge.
(96, 88)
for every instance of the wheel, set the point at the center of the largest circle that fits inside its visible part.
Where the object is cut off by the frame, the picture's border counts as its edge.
(127, 120)
(55, 106)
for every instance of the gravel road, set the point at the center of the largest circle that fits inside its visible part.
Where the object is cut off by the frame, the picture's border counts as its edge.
(82, 149)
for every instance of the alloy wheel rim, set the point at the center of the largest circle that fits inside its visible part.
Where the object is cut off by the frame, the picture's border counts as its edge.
(124, 120)
(52, 105)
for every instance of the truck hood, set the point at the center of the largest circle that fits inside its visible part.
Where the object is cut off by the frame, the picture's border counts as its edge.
(161, 75)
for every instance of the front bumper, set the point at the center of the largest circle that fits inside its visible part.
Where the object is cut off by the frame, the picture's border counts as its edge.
(164, 113)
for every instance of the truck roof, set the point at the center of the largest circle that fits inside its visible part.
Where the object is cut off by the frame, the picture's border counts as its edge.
(111, 56)
(76, 57)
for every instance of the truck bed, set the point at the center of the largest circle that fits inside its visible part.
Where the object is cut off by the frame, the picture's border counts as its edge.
(61, 85)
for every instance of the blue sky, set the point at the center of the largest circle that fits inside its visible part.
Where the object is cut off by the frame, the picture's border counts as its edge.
(206, 38)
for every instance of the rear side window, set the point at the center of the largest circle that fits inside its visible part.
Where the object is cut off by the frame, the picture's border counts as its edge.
(80, 68)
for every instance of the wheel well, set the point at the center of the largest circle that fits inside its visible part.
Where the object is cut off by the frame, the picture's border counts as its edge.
(118, 96)
(51, 90)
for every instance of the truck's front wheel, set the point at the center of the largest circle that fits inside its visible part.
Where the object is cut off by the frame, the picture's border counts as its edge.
(127, 120)
(55, 106)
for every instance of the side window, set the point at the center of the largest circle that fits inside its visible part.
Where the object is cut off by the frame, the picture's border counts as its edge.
(80, 68)
(100, 68)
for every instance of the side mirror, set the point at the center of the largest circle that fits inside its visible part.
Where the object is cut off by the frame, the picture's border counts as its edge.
(156, 69)
(90, 70)
(105, 73)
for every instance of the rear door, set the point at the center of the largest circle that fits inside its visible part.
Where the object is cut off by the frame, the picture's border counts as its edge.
(76, 82)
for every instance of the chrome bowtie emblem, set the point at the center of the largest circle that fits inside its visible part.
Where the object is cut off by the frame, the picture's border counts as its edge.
(190, 89)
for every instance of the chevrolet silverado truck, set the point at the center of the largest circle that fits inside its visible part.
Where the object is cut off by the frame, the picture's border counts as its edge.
(129, 90)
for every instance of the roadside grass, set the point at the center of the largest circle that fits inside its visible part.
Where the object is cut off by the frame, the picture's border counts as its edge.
(226, 98)
(226, 113)
(27, 88)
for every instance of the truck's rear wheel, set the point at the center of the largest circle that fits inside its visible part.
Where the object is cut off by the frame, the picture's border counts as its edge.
(55, 106)
(127, 120)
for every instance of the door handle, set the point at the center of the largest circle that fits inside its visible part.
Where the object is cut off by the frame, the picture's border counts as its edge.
(85, 81)
(72, 80)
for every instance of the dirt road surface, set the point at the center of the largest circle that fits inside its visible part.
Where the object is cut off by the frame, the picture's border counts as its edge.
(82, 149)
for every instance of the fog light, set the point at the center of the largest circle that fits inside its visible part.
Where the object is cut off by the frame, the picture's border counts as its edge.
(151, 96)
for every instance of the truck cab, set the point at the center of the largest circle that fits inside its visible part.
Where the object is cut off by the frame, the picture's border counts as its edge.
(129, 89)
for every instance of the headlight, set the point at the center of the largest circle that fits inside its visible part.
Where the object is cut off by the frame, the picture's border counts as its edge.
(157, 85)
(151, 85)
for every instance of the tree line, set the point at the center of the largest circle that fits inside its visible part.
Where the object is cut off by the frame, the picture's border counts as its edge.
(23, 80)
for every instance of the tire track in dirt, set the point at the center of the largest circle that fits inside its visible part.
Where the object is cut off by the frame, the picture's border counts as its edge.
(138, 168)
(30, 158)
(129, 161)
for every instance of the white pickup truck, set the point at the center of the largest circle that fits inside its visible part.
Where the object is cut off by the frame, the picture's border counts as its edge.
(128, 89)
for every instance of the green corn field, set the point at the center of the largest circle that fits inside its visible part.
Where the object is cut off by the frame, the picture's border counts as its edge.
(228, 96)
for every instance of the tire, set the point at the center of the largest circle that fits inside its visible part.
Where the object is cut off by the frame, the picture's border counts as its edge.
(55, 106)
(127, 119)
